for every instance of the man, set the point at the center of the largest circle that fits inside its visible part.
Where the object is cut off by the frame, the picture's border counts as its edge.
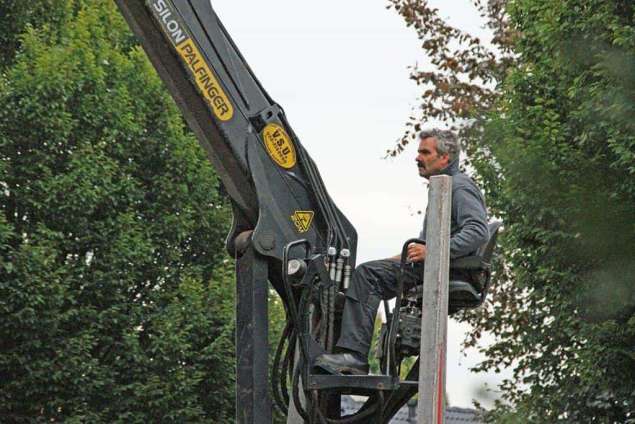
(373, 281)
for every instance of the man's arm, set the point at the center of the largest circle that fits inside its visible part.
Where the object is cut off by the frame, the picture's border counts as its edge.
(471, 218)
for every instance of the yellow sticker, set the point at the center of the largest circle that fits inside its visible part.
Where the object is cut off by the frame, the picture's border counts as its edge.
(302, 220)
(279, 146)
(205, 80)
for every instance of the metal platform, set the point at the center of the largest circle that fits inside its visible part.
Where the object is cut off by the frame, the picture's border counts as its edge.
(352, 382)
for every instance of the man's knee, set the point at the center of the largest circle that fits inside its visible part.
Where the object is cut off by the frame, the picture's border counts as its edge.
(371, 269)
(367, 280)
(360, 285)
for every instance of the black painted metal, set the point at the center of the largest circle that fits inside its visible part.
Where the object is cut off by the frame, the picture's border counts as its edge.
(353, 383)
(406, 324)
(471, 292)
(186, 42)
(253, 405)
(402, 394)
(265, 195)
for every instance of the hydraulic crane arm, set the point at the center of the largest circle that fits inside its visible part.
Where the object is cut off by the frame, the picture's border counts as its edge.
(275, 187)
(301, 242)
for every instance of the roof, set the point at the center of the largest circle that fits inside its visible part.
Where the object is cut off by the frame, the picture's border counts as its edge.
(408, 413)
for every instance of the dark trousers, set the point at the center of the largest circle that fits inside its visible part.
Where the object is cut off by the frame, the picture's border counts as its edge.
(371, 282)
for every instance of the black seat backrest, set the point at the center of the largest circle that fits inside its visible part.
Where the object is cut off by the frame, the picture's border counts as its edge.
(486, 251)
(482, 258)
(471, 290)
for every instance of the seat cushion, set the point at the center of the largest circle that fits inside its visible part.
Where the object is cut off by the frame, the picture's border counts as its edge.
(463, 294)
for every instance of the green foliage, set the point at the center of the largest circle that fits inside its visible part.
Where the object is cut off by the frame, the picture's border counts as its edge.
(546, 113)
(557, 160)
(16, 15)
(115, 295)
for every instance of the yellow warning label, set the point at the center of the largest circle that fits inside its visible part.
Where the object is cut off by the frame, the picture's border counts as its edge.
(302, 220)
(205, 80)
(279, 146)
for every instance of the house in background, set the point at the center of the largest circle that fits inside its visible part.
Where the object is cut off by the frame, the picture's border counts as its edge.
(408, 413)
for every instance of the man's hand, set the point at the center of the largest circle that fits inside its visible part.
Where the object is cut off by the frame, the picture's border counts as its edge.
(417, 252)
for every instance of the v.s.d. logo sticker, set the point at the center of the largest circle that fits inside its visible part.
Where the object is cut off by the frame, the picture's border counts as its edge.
(302, 220)
(279, 145)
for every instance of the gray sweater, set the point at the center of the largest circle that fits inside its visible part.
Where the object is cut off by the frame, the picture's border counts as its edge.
(468, 227)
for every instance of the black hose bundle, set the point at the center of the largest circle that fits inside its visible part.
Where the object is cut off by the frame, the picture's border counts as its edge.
(284, 370)
(279, 374)
(291, 366)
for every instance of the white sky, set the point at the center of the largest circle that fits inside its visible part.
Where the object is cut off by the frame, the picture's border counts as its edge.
(339, 69)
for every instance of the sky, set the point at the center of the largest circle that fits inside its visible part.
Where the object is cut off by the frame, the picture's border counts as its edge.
(340, 70)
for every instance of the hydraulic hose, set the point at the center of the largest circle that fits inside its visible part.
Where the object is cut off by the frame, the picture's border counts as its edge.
(296, 391)
(317, 184)
(277, 388)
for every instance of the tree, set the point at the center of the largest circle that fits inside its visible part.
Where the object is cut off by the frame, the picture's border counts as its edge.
(17, 15)
(546, 114)
(115, 293)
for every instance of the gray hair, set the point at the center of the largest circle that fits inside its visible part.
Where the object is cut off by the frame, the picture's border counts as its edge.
(447, 142)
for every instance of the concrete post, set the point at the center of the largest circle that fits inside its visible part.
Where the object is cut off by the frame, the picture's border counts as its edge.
(434, 320)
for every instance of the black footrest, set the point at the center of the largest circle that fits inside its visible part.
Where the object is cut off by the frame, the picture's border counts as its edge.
(361, 382)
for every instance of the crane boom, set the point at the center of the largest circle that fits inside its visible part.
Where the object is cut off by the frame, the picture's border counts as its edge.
(300, 241)
(275, 187)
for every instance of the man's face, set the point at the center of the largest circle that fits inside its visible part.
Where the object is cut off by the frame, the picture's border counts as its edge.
(429, 161)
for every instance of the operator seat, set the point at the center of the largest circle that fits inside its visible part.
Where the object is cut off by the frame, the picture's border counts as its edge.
(470, 275)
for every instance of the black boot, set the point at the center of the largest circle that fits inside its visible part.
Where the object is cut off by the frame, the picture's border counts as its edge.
(353, 363)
